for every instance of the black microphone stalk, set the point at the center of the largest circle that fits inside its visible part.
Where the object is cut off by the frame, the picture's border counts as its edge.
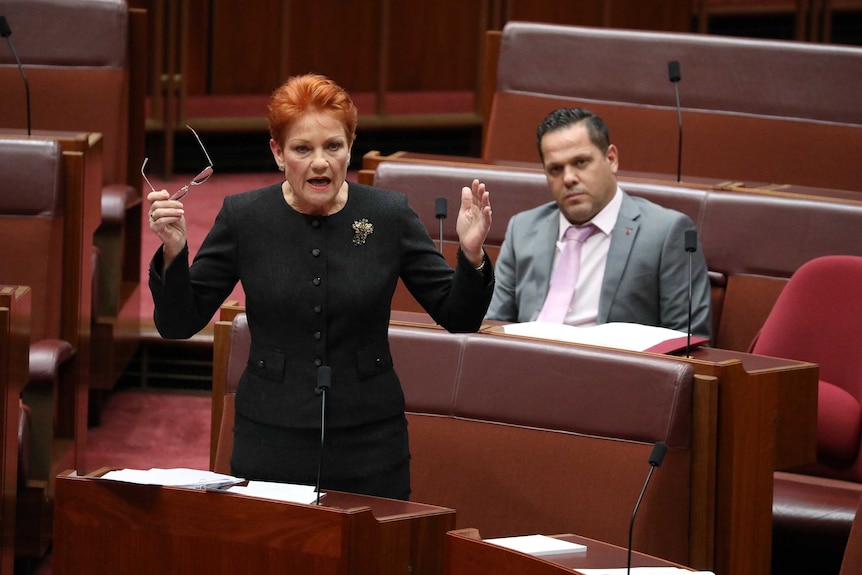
(324, 380)
(690, 247)
(675, 76)
(656, 457)
(6, 32)
(440, 213)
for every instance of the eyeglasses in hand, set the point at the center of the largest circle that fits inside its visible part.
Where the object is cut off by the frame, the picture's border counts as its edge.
(202, 177)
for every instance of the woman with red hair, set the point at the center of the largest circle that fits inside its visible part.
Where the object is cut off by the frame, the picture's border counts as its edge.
(319, 258)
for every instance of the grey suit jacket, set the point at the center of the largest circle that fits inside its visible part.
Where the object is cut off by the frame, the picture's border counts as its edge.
(646, 277)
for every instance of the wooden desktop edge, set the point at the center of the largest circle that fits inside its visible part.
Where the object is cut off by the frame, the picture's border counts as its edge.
(474, 535)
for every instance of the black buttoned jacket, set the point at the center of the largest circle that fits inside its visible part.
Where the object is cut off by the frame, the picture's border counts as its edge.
(318, 292)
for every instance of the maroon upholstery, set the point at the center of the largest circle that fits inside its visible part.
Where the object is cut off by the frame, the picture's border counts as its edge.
(512, 191)
(523, 436)
(31, 224)
(815, 319)
(75, 85)
(779, 112)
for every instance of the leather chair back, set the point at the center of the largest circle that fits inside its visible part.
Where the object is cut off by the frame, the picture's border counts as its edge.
(75, 55)
(815, 319)
(31, 227)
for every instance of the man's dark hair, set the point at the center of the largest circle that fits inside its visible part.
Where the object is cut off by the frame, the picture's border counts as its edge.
(565, 117)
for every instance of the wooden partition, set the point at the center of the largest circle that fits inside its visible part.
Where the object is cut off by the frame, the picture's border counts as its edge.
(15, 306)
(763, 412)
(106, 527)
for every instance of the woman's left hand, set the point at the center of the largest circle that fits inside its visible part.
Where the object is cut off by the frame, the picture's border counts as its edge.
(474, 221)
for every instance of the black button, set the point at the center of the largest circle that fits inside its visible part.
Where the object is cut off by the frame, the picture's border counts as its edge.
(316, 281)
(317, 309)
(315, 252)
(260, 364)
(317, 335)
(315, 223)
(318, 362)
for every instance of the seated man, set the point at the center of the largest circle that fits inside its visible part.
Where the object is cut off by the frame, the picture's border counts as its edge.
(628, 262)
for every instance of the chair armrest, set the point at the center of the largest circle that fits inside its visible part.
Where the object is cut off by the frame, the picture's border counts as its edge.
(46, 357)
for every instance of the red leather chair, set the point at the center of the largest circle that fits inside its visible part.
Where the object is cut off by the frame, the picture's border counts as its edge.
(31, 254)
(816, 319)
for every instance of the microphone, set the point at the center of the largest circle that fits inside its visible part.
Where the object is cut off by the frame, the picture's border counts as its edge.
(675, 76)
(6, 32)
(324, 380)
(655, 459)
(690, 247)
(440, 214)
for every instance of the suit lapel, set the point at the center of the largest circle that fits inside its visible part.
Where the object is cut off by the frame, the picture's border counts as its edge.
(622, 241)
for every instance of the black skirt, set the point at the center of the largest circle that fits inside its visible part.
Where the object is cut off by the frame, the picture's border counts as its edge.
(372, 459)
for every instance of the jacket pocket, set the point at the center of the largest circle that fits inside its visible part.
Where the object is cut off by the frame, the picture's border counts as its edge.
(266, 363)
(373, 360)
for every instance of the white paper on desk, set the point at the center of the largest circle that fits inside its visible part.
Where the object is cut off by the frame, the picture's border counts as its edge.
(644, 571)
(290, 492)
(538, 545)
(618, 335)
(175, 477)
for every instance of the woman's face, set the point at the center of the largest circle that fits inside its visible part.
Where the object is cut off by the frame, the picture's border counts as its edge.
(315, 154)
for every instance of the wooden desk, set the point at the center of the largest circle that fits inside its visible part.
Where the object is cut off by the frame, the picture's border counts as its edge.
(14, 369)
(107, 527)
(766, 421)
(466, 554)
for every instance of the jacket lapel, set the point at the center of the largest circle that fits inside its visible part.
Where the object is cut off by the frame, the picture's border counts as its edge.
(622, 241)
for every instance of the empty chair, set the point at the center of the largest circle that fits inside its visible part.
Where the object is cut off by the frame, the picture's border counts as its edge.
(82, 61)
(31, 253)
(816, 319)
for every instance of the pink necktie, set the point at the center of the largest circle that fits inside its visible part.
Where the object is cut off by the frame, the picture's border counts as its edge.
(565, 277)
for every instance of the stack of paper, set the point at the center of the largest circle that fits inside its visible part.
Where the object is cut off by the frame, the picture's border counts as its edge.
(279, 491)
(618, 335)
(176, 477)
(538, 545)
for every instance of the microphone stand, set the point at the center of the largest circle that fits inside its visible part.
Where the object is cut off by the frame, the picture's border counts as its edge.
(324, 379)
(440, 210)
(690, 247)
(6, 32)
(656, 457)
(675, 76)
(679, 122)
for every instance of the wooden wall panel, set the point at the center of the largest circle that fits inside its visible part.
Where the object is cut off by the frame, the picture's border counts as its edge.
(434, 45)
(336, 38)
(581, 13)
(245, 46)
(668, 15)
(255, 46)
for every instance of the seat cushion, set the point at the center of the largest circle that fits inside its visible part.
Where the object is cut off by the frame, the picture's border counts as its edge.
(839, 424)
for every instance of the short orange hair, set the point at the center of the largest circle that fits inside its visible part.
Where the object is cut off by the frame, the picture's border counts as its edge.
(300, 94)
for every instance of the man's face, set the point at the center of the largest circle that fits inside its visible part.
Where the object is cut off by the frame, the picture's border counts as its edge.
(582, 179)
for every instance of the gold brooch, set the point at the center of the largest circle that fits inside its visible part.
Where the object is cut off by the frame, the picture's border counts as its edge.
(361, 229)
